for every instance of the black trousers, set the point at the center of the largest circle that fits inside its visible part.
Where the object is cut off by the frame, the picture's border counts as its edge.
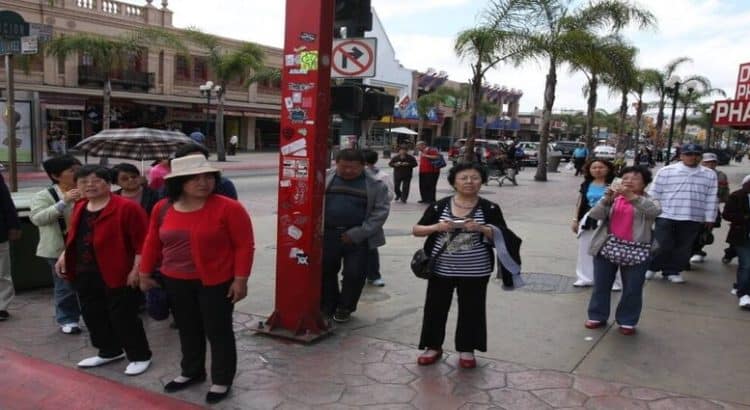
(471, 328)
(676, 242)
(401, 185)
(354, 259)
(111, 315)
(428, 185)
(373, 264)
(578, 163)
(204, 312)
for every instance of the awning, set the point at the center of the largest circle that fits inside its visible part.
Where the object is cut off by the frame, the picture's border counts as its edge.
(402, 130)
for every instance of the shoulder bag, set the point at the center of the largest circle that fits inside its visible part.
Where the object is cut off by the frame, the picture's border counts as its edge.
(422, 264)
(624, 252)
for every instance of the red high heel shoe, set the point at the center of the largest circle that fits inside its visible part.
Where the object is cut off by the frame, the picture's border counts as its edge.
(426, 359)
(467, 363)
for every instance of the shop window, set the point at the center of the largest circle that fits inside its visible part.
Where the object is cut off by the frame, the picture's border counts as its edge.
(61, 65)
(181, 68)
(200, 69)
(87, 60)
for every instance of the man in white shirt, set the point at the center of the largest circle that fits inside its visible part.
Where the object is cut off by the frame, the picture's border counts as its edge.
(686, 192)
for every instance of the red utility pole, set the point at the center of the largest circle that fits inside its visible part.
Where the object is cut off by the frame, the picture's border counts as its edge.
(305, 106)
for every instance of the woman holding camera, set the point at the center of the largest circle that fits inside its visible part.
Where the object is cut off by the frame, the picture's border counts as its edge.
(460, 233)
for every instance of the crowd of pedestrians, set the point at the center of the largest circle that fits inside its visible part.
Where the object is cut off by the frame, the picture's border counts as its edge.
(181, 230)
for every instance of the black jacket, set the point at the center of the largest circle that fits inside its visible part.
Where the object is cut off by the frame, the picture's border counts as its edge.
(402, 167)
(9, 218)
(493, 215)
(737, 212)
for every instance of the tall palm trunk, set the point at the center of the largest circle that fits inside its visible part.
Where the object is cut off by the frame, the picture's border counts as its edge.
(220, 153)
(590, 110)
(622, 139)
(106, 97)
(638, 117)
(476, 101)
(549, 102)
(660, 116)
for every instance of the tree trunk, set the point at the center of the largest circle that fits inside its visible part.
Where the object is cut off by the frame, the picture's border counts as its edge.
(683, 123)
(549, 102)
(590, 110)
(622, 142)
(660, 116)
(106, 97)
(638, 117)
(476, 100)
(220, 153)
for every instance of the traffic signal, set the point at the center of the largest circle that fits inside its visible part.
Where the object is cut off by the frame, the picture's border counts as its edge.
(346, 99)
(355, 15)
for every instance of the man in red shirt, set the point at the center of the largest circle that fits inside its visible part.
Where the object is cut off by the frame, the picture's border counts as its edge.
(428, 173)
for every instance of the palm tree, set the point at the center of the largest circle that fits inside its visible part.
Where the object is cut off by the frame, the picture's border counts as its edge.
(498, 39)
(110, 54)
(688, 99)
(227, 65)
(425, 104)
(644, 77)
(561, 33)
(623, 79)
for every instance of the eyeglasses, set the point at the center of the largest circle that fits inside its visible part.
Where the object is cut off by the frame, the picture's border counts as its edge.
(467, 179)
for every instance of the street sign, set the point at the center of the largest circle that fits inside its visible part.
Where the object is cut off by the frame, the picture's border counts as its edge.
(10, 46)
(12, 25)
(42, 31)
(354, 58)
(29, 45)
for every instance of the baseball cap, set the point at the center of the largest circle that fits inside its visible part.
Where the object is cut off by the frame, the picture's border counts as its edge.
(691, 149)
(710, 156)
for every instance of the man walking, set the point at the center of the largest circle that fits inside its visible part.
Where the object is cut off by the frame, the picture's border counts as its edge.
(402, 165)
(579, 158)
(356, 207)
(428, 173)
(710, 160)
(687, 194)
(10, 230)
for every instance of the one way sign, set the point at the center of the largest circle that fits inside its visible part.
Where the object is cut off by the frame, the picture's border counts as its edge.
(354, 57)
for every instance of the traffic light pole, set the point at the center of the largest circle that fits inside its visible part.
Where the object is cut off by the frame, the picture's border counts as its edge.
(10, 123)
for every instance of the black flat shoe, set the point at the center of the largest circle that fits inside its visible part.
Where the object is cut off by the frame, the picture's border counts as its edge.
(212, 397)
(174, 386)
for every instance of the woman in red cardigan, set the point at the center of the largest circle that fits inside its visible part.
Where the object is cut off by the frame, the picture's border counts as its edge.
(203, 243)
(102, 250)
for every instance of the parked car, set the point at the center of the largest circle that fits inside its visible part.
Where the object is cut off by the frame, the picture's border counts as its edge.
(605, 152)
(488, 147)
(567, 148)
(531, 152)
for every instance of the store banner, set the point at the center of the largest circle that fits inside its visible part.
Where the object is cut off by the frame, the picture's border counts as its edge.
(23, 131)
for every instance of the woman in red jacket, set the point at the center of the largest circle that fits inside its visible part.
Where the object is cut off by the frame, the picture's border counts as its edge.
(102, 250)
(204, 242)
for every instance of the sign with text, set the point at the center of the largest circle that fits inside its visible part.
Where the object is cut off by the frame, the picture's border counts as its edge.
(732, 113)
(743, 83)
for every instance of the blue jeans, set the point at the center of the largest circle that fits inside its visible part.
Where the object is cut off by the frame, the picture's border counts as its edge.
(354, 260)
(675, 243)
(743, 270)
(67, 308)
(373, 265)
(629, 309)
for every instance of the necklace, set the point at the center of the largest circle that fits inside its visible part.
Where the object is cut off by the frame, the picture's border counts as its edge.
(462, 206)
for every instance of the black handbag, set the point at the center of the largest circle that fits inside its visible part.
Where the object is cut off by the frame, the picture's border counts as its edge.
(422, 264)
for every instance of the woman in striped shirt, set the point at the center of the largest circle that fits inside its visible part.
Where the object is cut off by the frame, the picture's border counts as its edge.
(461, 224)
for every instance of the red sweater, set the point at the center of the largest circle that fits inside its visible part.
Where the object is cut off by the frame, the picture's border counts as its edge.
(221, 240)
(119, 231)
(425, 164)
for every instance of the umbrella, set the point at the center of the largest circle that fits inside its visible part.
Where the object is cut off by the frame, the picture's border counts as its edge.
(134, 143)
(402, 130)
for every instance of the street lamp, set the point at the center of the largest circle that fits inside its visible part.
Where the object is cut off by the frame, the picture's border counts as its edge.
(691, 86)
(206, 90)
(710, 113)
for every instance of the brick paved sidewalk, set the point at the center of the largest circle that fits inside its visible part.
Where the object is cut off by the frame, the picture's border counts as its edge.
(341, 371)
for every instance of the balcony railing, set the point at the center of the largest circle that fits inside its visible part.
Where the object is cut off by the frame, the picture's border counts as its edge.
(120, 79)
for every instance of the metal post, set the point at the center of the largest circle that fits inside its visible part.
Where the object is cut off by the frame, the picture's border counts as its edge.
(10, 111)
(671, 123)
(208, 116)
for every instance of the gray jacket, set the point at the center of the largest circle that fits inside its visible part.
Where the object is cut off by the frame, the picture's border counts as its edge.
(646, 211)
(378, 207)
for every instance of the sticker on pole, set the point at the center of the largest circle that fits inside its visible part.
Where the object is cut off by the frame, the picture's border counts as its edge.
(354, 58)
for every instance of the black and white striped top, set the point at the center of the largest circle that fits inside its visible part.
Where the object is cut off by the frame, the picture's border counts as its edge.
(467, 255)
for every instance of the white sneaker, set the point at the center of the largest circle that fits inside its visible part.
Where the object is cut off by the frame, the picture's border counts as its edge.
(616, 287)
(379, 282)
(136, 368)
(745, 302)
(676, 278)
(650, 274)
(697, 258)
(70, 329)
(733, 291)
(98, 361)
(580, 283)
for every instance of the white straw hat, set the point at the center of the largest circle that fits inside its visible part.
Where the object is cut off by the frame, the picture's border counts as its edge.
(190, 165)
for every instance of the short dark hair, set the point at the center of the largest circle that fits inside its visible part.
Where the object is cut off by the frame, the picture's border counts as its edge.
(98, 170)
(463, 167)
(57, 165)
(350, 154)
(174, 186)
(639, 169)
(587, 169)
(188, 149)
(371, 157)
(124, 167)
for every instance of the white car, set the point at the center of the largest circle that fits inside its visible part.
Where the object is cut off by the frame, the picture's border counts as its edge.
(605, 152)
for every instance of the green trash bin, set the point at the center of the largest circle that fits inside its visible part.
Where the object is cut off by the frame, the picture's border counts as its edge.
(28, 270)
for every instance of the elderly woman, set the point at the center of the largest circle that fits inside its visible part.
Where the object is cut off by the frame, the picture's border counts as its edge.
(101, 256)
(50, 212)
(204, 242)
(627, 215)
(460, 232)
(131, 186)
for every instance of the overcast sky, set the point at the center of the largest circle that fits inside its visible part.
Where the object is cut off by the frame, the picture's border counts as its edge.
(713, 33)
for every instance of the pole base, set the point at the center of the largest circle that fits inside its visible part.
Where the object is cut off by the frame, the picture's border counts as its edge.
(308, 329)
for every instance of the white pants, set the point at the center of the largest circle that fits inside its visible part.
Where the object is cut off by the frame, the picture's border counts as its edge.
(6, 281)
(585, 262)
